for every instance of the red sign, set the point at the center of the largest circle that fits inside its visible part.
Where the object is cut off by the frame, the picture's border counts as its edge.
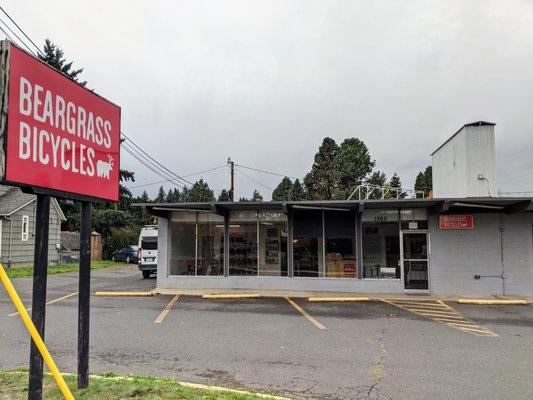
(459, 221)
(60, 136)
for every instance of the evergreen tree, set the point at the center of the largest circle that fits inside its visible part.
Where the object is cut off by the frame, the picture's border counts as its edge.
(161, 195)
(143, 198)
(54, 56)
(424, 181)
(351, 166)
(282, 192)
(243, 200)
(224, 195)
(256, 196)
(377, 178)
(395, 183)
(200, 192)
(298, 192)
(320, 181)
(169, 197)
(176, 195)
(184, 196)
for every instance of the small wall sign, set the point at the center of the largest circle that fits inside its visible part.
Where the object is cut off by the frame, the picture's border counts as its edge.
(456, 221)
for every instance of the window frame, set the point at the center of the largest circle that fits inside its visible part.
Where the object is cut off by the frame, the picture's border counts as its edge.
(25, 228)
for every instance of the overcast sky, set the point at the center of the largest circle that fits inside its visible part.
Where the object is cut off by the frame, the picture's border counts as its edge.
(265, 82)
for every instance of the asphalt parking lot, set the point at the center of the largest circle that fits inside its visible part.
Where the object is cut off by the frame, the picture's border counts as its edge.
(295, 348)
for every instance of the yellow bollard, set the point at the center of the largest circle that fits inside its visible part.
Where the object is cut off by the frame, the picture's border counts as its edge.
(35, 335)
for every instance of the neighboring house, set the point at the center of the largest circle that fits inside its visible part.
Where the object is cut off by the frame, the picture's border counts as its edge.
(17, 227)
(70, 245)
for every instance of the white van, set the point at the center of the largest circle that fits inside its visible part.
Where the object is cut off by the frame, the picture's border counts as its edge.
(148, 250)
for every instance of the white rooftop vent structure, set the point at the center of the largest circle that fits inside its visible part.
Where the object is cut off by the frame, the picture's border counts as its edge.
(465, 165)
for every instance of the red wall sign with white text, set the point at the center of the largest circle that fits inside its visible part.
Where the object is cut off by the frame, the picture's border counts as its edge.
(457, 221)
(60, 136)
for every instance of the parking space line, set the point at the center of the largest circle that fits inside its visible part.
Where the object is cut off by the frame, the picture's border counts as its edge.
(305, 314)
(166, 310)
(50, 302)
(438, 311)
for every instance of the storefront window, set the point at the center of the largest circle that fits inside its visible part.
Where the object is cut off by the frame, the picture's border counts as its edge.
(210, 244)
(243, 243)
(308, 244)
(339, 230)
(272, 244)
(381, 244)
(182, 254)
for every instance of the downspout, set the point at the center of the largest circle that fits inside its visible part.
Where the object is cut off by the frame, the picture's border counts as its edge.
(501, 253)
(9, 245)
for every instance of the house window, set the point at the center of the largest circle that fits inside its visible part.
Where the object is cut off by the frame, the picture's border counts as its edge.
(25, 227)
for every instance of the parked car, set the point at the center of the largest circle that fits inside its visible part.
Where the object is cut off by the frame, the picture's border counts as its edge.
(128, 254)
(148, 251)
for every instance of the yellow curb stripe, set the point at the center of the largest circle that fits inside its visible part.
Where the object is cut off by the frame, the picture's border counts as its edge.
(335, 299)
(232, 296)
(305, 314)
(517, 302)
(50, 302)
(166, 310)
(124, 294)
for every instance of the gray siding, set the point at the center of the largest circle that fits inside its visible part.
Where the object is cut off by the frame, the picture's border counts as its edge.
(456, 256)
(22, 251)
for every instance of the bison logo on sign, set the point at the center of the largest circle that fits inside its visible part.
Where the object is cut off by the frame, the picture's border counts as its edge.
(103, 168)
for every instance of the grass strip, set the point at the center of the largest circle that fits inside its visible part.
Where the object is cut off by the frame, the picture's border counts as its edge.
(13, 386)
(27, 272)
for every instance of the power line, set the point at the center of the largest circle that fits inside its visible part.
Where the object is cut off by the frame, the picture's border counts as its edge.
(267, 172)
(15, 34)
(20, 29)
(185, 176)
(170, 173)
(252, 179)
(7, 35)
(151, 167)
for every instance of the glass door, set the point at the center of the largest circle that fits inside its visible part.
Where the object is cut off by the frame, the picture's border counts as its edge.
(415, 260)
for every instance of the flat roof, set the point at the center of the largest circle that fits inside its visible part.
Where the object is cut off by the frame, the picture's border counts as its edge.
(479, 204)
(476, 123)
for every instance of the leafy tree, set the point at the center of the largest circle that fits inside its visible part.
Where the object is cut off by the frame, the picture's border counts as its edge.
(298, 192)
(256, 196)
(282, 192)
(377, 178)
(320, 180)
(224, 195)
(161, 195)
(200, 192)
(54, 56)
(395, 183)
(424, 181)
(351, 165)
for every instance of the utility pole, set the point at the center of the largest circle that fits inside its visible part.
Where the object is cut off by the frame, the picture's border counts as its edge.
(232, 171)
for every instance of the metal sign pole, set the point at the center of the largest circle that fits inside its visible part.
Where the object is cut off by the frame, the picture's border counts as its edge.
(40, 269)
(84, 295)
